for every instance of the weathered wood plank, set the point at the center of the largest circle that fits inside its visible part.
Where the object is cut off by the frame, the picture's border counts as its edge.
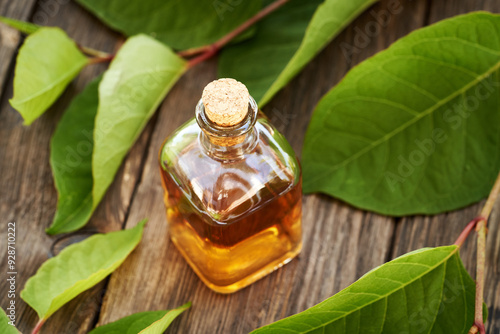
(10, 38)
(340, 242)
(27, 192)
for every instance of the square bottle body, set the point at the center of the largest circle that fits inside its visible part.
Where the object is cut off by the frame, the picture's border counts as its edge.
(234, 217)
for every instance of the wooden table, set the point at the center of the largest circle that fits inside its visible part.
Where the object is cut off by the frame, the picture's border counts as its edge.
(341, 243)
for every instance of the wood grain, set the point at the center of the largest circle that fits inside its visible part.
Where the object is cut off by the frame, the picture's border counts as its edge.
(341, 243)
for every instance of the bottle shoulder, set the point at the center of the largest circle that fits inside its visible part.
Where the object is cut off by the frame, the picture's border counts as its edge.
(227, 189)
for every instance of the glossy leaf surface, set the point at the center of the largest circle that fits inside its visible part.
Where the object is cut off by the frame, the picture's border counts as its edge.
(144, 322)
(77, 268)
(416, 128)
(425, 291)
(71, 150)
(285, 42)
(105, 121)
(135, 84)
(47, 62)
(179, 24)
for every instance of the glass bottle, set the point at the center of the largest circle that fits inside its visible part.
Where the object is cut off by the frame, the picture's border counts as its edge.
(233, 190)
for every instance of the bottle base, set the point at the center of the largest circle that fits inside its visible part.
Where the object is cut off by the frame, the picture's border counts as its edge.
(246, 281)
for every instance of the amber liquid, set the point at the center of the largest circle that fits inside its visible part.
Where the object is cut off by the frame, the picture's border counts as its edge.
(230, 255)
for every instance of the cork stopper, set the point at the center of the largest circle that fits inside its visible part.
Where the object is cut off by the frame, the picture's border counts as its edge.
(225, 101)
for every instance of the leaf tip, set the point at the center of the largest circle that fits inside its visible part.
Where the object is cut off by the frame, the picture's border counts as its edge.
(143, 222)
(22, 293)
(50, 230)
(57, 228)
(12, 102)
(27, 122)
(139, 228)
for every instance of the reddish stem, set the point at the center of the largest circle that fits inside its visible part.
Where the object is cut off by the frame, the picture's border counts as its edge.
(481, 257)
(466, 231)
(38, 326)
(93, 52)
(209, 51)
(97, 60)
(478, 328)
(204, 56)
(250, 22)
(205, 52)
(193, 51)
(481, 261)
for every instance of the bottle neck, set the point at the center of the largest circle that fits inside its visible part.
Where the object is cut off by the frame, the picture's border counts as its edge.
(227, 141)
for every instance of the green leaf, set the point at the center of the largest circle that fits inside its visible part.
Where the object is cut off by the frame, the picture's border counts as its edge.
(77, 268)
(5, 327)
(135, 84)
(179, 24)
(132, 324)
(159, 326)
(425, 291)
(71, 150)
(22, 26)
(143, 322)
(416, 128)
(93, 137)
(47, 62)
(285, 42)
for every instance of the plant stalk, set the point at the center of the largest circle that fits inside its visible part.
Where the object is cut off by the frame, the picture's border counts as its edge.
(481, 223)
(97, 56)
(93, 52)
(38, 325)
(97, 60)
(209, 51)
(466, 231)
(193, 51)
